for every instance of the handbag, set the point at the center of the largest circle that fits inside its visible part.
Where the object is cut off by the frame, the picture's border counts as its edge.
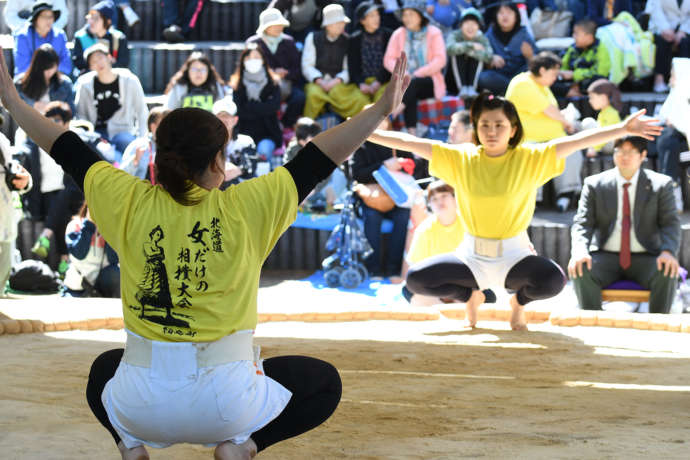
(375, 197)
(548, 24)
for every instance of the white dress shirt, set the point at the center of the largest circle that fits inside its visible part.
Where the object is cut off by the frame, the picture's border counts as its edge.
(613, 244)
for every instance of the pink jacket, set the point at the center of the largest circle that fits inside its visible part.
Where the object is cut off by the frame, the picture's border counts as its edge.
(435, 56)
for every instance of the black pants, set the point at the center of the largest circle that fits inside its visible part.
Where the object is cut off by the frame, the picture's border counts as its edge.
(315, 387)
(420, 88)
(533, 278)
(467, 70)
(64, 205)
(606, 270)
(664, 54)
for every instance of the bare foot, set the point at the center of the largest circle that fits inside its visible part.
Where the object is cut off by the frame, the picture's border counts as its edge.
(135, 453)
(229, 451)
(518, 321)
(476, 299)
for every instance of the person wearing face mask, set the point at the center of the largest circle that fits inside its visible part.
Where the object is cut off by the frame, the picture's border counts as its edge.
(283, 57)
(325, 67)
(257, 96)
(196, 84)
(99, 29)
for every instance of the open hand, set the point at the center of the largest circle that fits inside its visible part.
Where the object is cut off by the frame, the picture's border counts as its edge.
(392, 96)
(647, 128)
(575, 266)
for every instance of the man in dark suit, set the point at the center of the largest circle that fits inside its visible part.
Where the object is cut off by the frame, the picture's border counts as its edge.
(626, 227)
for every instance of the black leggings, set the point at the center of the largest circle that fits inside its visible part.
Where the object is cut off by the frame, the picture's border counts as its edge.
(533, 278)
(315, 387)
(420, 88)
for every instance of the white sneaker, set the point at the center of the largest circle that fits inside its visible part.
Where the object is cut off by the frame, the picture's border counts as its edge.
(660, 87)
(131, 17)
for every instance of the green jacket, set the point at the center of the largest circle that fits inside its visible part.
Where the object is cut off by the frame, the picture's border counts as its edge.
(457, 45)
(588, 62)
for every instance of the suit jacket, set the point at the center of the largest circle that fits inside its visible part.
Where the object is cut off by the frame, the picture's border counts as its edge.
(655, 219)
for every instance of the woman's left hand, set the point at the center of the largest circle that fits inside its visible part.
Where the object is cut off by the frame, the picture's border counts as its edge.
(648, 128)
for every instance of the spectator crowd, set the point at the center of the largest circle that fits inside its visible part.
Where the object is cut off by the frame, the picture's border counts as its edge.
(312, 63)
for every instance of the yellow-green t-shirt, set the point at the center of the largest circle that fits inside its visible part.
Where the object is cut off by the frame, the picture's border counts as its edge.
(531, 99)
(431, 238)
(495, 195)
(189, 273)
(607, 116)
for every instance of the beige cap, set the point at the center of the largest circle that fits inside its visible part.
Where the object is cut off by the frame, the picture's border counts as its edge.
(271, 17)
(334, 13)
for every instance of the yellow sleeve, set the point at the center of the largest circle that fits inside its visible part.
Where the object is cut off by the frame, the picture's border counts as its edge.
(545, 166)
(527, 98)
(269, 205)
(608, 117)
(419, 247)
(112, 195)
(446, 163)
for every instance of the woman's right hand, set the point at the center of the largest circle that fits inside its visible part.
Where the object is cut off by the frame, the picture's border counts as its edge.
(497, 61)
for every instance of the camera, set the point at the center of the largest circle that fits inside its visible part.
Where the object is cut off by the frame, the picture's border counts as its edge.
(245, 159)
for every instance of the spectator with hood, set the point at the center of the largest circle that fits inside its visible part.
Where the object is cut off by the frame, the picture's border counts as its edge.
(99, 29)
(39, 29)
(283, 57)
(512, 45)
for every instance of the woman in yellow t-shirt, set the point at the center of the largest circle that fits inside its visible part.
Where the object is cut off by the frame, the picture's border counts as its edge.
(190, 258)
(497, 180)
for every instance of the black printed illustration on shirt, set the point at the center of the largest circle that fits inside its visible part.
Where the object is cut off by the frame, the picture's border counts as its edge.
(154, 291)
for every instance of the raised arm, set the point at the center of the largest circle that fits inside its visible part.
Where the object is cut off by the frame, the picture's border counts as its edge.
(404, 141)
(43, 131)
(339, 142)
(632, 126)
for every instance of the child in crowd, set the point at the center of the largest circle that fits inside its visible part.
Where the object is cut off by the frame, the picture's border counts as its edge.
(196, 84)
(283, 57)
(8, 223)
(586, 61)
(39, 29)
(605, 98)
(324, 65)
(367, 47)
(240, 151)
(98, 29)
(138, 158)
(468, 52)
(326, 192)
(257, 96)
(113, 100)
(93, 269)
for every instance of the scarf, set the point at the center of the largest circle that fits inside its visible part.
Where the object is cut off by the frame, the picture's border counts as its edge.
(415, 48)
(272, 42)
(504, 37)
(254, 83)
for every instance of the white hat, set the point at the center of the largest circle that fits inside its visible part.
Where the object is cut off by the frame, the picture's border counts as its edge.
(271, 17)
(225, 105)
(334, 13)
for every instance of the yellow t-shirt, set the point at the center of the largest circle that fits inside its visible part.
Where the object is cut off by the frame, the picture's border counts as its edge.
(431, 239)
(189, 273)
(607, 116)
(531, 99)
(495, 195)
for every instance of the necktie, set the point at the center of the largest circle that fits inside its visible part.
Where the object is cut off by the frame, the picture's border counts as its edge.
(609, 9)
(624, 256)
